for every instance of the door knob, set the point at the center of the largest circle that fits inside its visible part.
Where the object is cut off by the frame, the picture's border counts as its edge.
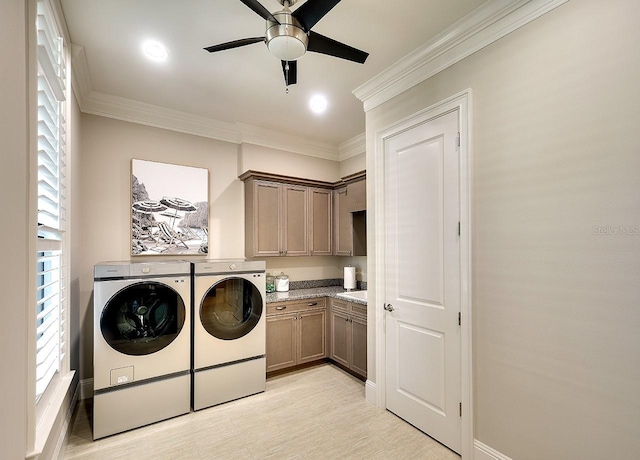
(388, 307)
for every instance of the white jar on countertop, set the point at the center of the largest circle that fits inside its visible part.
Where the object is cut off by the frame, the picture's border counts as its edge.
(282, 282)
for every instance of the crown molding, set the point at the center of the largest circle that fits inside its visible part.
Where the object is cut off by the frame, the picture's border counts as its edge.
(353, 147)
(251, 134)
(80, 77)
(483, 26)
(110, 106)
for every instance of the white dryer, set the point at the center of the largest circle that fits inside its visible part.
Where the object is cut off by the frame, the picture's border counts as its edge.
(229, 335)
(142, 344)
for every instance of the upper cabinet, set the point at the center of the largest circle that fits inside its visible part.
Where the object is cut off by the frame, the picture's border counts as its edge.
(350, 216)
(273, 222)
(289, 216)
(357, 195)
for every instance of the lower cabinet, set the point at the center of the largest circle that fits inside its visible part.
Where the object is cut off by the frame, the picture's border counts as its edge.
(296, 333)
(348, 335)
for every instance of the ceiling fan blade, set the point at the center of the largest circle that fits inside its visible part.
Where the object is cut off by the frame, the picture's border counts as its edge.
(256, 6)
(234, 44)
(325, 45)
(291, 75)
(312, 11)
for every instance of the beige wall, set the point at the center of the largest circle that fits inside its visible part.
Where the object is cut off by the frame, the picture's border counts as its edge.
(556, 342)
(353, 165)
(316, 267)
(16, 230)
(264, 159)
(107, 149)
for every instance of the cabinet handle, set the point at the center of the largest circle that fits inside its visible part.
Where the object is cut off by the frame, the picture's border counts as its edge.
(281, 308)
(312, 304)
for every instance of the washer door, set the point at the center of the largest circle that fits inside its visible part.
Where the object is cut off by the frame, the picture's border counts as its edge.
(142, 318)
(231, 308)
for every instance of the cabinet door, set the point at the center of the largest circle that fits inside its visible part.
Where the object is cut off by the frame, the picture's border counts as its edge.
(357, 196)
(342, 224)
(320, 221)
(295, 220)
(267, 215)
(281, 341)
(359, 346)
(311, 336)
(339, 337)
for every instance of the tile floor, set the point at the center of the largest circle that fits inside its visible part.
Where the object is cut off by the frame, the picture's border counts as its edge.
(315, 413)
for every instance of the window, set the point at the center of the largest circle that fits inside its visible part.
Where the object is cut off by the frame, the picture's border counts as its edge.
(51, 258)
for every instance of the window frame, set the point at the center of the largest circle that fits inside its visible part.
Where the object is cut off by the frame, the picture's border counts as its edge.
(43, 414)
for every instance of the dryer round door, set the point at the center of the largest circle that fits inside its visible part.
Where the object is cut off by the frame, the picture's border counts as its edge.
(142, 318)
(231, 308)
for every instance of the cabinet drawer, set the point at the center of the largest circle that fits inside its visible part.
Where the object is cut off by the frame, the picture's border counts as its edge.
(358, 309)
(338, 304)
(278, 308)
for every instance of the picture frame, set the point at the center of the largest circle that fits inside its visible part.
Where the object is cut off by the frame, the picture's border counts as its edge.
(169, 209)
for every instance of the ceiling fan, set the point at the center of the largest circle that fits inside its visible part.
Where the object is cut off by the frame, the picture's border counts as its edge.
(289, 36)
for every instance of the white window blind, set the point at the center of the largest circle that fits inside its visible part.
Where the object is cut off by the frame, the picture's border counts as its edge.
(51, 268)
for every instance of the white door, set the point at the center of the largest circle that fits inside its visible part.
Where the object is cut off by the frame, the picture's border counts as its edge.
(423, 278)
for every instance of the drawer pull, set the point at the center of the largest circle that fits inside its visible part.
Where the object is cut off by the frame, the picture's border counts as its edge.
(281, 308)
(312, 304)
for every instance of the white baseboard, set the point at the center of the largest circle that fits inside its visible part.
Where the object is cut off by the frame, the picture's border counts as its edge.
(370, 392)
(483, 452)
(86, 388)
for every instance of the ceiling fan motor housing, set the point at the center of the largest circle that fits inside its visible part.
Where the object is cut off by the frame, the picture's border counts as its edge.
(287, 40)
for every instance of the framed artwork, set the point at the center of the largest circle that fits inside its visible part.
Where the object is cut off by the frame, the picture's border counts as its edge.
(169, 209)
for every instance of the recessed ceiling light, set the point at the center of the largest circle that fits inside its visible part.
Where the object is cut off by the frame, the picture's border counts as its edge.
(154, 50)
(318, 103)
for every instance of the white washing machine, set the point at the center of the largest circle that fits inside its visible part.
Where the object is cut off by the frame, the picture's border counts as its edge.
(229, 335)
(142, 344)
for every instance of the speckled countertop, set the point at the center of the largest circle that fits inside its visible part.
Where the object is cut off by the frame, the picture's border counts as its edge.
(313, 293)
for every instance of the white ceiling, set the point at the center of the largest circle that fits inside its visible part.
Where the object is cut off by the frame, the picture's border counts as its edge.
(246, 85)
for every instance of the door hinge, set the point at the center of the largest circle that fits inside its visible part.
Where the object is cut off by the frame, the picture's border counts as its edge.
(459, 319)
(460, 409)
(458, 228)
(458, 139)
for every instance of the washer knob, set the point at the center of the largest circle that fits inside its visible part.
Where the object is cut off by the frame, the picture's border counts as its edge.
(232, 267)
(146, 269)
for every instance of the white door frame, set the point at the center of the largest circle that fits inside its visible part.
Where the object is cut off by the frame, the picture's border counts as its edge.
(462, 103)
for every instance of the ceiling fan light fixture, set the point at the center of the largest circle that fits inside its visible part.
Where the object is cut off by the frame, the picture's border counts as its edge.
(286, 48)
(287, 40)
